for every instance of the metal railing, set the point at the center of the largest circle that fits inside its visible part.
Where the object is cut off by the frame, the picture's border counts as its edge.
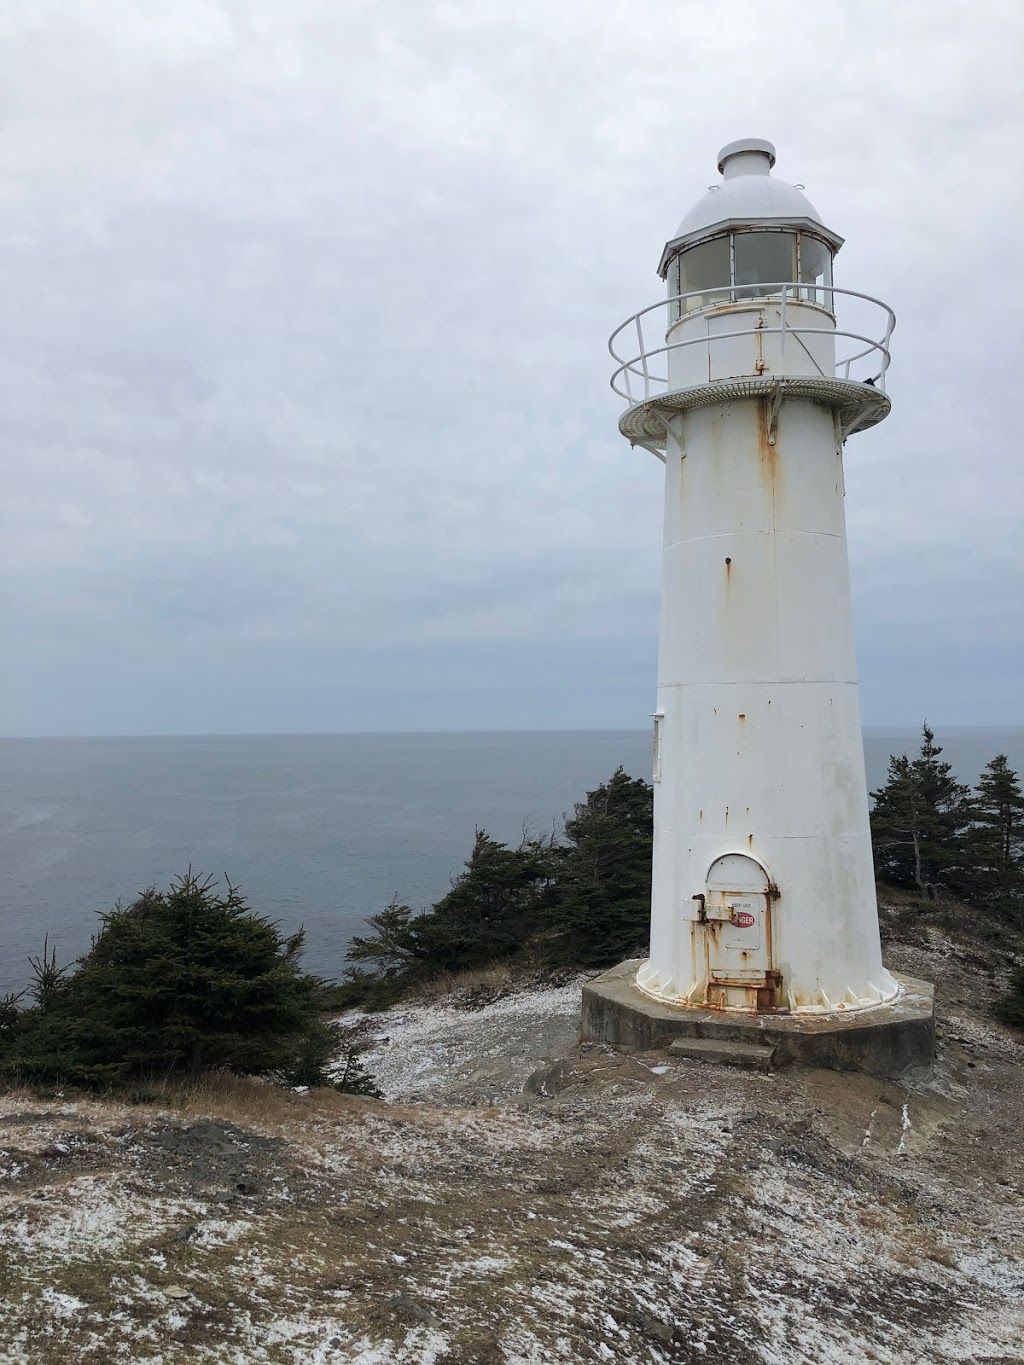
(655, 385)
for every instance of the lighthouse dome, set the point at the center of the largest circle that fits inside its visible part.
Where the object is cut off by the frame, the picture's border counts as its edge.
(749, 195)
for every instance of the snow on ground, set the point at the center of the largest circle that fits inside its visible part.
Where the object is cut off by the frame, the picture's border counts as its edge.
(630, 1209)
(438, 1050)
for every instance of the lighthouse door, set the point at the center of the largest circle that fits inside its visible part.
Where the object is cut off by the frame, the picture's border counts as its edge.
(737, 917)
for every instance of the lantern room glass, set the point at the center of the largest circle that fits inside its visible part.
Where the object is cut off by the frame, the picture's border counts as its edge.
(763, 258)
(704, 267)
(815, 262)
(745, 265)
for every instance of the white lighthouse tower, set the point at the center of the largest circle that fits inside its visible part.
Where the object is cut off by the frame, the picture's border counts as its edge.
(747, 381)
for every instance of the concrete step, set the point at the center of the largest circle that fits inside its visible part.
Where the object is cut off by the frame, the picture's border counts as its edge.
(725, 1051)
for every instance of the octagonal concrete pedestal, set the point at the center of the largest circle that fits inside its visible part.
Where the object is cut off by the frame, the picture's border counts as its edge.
(883, 1042)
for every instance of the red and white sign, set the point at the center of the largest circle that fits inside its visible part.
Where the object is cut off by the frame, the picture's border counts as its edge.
(743, 919)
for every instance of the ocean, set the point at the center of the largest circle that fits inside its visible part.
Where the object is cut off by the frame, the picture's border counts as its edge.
(320, 830)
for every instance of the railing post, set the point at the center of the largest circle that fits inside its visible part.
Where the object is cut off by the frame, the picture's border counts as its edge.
(643, 357)
(782, 331)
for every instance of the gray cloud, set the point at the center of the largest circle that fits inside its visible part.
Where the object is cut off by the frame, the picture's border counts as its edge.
(304, 402)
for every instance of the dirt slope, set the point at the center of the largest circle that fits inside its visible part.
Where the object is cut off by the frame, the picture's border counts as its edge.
(622, 1209)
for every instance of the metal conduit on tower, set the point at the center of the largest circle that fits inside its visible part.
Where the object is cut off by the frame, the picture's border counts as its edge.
(746, 380)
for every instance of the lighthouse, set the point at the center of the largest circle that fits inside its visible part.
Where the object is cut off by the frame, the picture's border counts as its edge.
(747, 380)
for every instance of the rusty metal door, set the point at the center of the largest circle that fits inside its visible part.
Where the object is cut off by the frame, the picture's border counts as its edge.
(737, 918)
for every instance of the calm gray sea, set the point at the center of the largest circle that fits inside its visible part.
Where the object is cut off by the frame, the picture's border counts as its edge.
(318, 830)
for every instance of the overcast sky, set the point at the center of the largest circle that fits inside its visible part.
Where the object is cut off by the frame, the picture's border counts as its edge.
(304, 408)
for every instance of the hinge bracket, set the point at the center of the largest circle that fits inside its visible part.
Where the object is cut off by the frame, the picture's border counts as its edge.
(651, 450)
(674, 427)
(774, 404)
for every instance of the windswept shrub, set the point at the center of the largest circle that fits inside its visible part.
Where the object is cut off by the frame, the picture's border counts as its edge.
(582, 900)
(178, 981)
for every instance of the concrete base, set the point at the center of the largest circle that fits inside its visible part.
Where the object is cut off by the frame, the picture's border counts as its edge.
(883, 1041)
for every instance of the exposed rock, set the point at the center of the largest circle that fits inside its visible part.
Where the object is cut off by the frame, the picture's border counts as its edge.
(405, 1307)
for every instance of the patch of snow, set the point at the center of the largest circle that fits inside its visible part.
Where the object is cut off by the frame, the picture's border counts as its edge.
(484, 1265)
(426, 1047)
(905, 1126)
(215, 1232)
(867, 1131)
(61, 1305)
(92, 1215)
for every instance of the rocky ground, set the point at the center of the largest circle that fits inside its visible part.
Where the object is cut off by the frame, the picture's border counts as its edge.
(517, 1198)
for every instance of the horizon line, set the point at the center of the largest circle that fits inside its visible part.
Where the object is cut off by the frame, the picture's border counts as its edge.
(894, 729)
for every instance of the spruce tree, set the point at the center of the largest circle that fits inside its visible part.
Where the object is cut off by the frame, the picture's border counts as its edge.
(919, 820)
(601, 908)
(492, 912)
(181, 980)
(493, 908)
(996, 840)
(392, 947)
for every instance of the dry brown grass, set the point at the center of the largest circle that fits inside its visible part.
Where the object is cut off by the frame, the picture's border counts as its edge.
(499, 976)
(251, 1103)
(873, 1219)
(921, 1244)
(900, 897)
(308, 1119)
(15, 1097)
(933, 1248)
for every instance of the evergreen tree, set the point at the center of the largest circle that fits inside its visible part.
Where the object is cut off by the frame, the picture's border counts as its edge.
(919, 820)
(493, 909)
(393, 946)
(355, 1079)
(584, 901)
(396, 957)
(995, 841)
(491, 912)
(177, 981)
(601, 908)
(313, 1061)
